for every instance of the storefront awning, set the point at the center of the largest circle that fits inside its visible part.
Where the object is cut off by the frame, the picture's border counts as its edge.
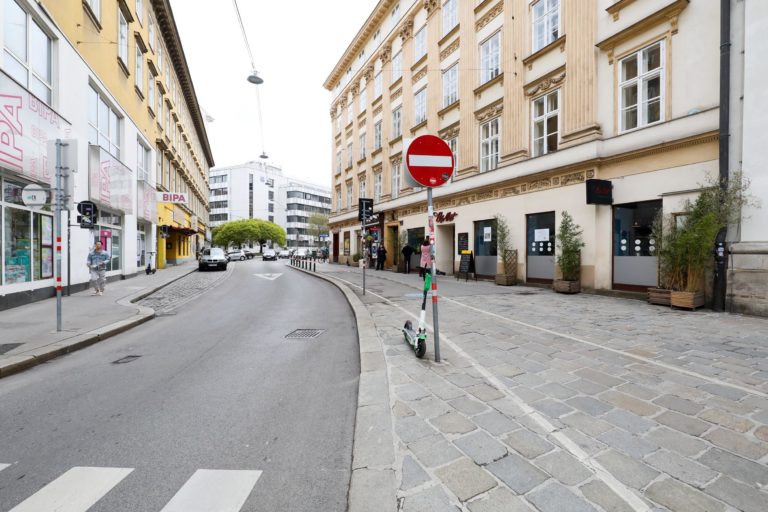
(185, 231)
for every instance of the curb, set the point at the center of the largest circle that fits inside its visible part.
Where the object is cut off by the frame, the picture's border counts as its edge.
(16, 364)
(373, 486)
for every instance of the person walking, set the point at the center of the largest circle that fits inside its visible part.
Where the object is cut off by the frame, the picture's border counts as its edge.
(407, 253)
(426, 257)
(97, 263)
(381, 257)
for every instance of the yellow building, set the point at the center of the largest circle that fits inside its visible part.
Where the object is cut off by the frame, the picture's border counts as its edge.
(146, 77)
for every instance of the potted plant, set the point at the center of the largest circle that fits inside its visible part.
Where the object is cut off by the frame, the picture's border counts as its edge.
(569, 256)
(508, 255)
(662, 294)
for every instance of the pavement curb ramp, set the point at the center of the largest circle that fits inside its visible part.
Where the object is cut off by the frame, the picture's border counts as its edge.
(373, 486)
(16, 364)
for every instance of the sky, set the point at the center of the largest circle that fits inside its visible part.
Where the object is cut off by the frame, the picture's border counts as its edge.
(295, 46)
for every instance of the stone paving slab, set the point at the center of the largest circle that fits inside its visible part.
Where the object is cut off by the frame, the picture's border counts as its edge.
(572, 403)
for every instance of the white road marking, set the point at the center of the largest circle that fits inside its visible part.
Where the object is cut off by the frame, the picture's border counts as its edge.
(210, 490)
(270, 277)
(77, 490)
(3, 466)
(619, 488)
(429, 161)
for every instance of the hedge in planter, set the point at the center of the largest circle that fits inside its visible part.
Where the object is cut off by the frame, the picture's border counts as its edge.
(569, 256)
(505, 251)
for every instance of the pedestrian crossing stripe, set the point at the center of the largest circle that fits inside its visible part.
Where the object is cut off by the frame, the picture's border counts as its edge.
(78, 489)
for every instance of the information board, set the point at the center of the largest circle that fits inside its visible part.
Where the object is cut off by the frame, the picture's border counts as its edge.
(463, 242)
(466, 266)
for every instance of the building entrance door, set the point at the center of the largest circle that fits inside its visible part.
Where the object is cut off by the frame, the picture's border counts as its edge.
(335, 247)
(635, 262)
(446, 248)
(540, 247)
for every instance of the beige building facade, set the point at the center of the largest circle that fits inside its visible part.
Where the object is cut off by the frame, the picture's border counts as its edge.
(534, 98)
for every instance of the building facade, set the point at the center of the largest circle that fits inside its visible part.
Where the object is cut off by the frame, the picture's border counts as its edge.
(534, 98)
(259, 190)
(63, 76)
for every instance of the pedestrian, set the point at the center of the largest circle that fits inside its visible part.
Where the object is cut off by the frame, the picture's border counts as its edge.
(426, 258)
(407, 253)
(381, 257)
(97, 263)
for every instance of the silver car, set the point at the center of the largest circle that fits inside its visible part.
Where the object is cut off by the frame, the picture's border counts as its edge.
(236, 254)
(213, 258)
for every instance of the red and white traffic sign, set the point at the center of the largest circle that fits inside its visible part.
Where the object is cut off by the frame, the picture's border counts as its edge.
(429, 161)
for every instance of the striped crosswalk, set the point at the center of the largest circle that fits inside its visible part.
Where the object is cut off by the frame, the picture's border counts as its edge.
(79, 488)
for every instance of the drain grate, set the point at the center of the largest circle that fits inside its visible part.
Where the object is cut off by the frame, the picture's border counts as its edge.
(304, 333)
(7, 347)
(126, 359)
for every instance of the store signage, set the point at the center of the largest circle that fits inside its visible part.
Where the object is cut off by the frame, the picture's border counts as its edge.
(34, 196)
(445, 216)
(26, 126)
(541, 235)
(147, 201)
(171, 197)
(599, 192)
(429, 161)
(463, 242)
(111, 182)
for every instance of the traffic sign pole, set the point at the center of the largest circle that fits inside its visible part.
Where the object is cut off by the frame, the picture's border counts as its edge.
(57, 231)
(433, 250)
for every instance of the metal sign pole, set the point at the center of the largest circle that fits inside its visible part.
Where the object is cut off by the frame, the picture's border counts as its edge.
(432, 250)
(57, 232)
(69, 250)
(365, 260)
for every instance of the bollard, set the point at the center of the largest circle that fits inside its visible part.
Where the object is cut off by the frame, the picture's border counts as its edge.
(314, 266)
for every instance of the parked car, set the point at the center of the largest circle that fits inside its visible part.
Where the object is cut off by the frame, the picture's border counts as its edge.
(236, 254)
(249, 253)
(284, 254)
(302, 253)
(213, 258)
(269, 255)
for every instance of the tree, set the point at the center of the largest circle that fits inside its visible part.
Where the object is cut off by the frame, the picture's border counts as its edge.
(269, 231)
(248, 231)
(569, 238)
(318, 225)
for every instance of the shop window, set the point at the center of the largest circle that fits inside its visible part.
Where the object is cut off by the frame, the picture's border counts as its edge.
(485, 238)
(18, 246)
(633, 227)
(109, 233)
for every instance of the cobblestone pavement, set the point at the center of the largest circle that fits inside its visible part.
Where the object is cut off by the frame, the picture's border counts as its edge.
(167, 299)
(573, 403)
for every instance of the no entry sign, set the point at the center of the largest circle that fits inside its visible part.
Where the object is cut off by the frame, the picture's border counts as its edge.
(429, 161)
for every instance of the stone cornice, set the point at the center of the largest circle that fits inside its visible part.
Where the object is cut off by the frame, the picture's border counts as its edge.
(431, 6)
(406, 29)
(450, 49)
(450, 132)
(490, 111)
(615, 8)
(546, 82)
(385, 53)
(418, 76)
(490, 83)
(557, 43)
(489, 16)
(368, 74)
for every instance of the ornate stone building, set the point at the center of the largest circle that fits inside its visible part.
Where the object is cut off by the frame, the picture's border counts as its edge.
(534, 98)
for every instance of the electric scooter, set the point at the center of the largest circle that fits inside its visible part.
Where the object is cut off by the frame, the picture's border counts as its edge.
(149, 269)
(418, 339)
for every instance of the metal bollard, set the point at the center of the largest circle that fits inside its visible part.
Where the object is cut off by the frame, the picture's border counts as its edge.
(314, 266)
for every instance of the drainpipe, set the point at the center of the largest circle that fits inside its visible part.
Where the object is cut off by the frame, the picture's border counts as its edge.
(719, 286)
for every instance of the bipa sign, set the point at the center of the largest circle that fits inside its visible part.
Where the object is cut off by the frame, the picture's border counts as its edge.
(171, 197)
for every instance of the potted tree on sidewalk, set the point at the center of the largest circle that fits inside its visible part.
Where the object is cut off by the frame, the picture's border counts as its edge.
(508, 255)
(569, 255)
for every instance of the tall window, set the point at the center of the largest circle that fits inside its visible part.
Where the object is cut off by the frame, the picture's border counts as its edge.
(338, 122)
(420, 105)
(490, 58)
(363, 99)
(140, 10)
(546, 110)
(362, 146)
(450, 85)
(151, 31)
(139, 69)
(338, 198)
(377, 135)
(396, 180)
(454, 145)
(103, 124)
(27, 51)
(450, 15)
(489, 145)
(349, 155)
(95, 6)
(143, 158)
(151, 90)
(377, 180)
(546, 23)
(377, 85)
(396, 124)
(338, 162)
(349, 195)
(420, 43)
(397, 66)
(350, 111)
(159, 109)
(361, 188)
(122, 38)
(641, 97)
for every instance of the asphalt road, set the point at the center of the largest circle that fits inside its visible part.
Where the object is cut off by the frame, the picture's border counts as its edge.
(217, 387)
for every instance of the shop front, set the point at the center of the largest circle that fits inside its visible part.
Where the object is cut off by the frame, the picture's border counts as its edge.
(635, 262)
(540, 247)
(146, 213)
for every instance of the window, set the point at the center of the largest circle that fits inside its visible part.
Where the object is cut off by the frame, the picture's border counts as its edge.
(450, 15)
(338, 122)
(140, 10)
(395, 11)
(143, 159)
(396, 128)
(349, 155)
(396, 180)
(338, 162)
(219, 179)
(397, 66)
(377, 180)
(350, 112)
(139, 70)
(27, 54)
(361, 188)
(363, 99)
(490, 58)
(420, 106)
(349, 195)
(362, 146)
(159, 57)
(377, 135)
(95, 6)
(420, 44)
(271, 207)
(489, 145)
(160, 109)
(338, 198)
(545, 123)
(451, 85)
(271, 218)
(454, 145)
(218, 204)
(151, 91)
(546, 23)
(122, 38)
(377, 85)
(151, 31)
(641, 99)
(376, 36)
(103, 124)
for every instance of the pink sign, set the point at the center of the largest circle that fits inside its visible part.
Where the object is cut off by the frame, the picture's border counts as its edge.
(111, 182)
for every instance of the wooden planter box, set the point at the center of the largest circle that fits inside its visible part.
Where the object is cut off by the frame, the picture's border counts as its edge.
(506, 279)
(561, 286)
(659, 296)
(687, 300)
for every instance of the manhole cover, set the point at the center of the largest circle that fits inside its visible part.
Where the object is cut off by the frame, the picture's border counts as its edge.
(7, 347)
(305, 333)
(126, 359)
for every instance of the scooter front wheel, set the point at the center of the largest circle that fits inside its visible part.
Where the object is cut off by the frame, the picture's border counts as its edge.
(421, 347)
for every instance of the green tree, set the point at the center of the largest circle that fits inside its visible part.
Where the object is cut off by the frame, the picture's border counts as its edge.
(569, 238)
(318, 225)
(248, 231)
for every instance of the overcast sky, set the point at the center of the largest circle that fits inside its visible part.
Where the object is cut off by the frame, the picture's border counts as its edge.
(295, 46)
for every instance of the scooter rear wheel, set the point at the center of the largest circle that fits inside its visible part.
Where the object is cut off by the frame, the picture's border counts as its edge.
(421, 348)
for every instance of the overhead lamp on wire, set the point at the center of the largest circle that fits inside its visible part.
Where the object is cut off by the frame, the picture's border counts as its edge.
(255, 79)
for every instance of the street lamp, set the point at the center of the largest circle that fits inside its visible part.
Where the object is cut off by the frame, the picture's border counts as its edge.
(255, 79)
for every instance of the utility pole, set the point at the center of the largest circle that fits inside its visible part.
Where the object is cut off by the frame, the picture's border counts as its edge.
(57, 228)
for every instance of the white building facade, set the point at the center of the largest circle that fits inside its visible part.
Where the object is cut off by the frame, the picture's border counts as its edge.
(302, 201)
